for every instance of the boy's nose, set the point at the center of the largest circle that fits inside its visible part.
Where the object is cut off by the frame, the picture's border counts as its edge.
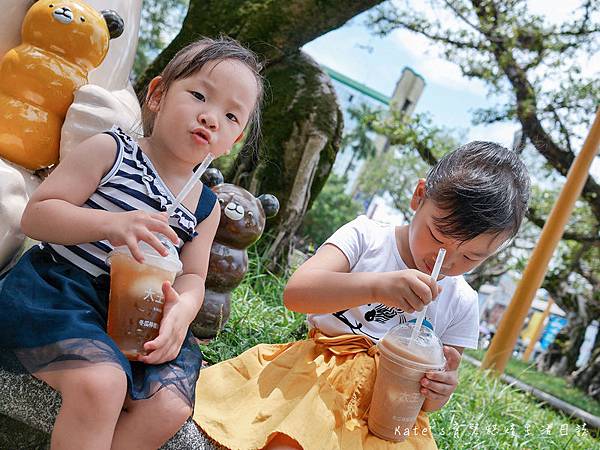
(208, 120)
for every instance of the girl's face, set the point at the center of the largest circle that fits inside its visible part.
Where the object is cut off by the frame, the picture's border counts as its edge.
(205, 112)
(425, 240)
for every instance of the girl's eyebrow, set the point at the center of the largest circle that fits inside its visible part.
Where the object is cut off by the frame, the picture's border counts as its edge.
(431, 232)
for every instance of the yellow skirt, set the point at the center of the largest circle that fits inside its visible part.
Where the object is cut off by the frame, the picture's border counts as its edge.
(316, 391)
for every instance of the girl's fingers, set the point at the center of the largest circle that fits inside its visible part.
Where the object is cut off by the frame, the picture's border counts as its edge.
(137, 254)
(155, 243)
(165, 229)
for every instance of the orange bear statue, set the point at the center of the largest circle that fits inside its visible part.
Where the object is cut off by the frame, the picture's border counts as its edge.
(61, 42)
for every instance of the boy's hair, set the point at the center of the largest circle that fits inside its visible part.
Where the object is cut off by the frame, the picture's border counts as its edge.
(192, 58)
(483, 186)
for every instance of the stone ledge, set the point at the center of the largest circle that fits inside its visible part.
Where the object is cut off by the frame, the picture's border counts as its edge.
(28, 408)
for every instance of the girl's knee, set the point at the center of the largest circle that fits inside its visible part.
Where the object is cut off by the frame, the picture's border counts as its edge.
(168, 409)
(101, 387)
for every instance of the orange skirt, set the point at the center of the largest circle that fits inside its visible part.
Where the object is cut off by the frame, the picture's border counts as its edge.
(316, 391)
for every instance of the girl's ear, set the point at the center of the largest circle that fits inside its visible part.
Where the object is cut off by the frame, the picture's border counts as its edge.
(419, 195)
(155, 93)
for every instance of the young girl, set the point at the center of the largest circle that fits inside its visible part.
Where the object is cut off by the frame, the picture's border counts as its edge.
(114, 191)
(366, 278)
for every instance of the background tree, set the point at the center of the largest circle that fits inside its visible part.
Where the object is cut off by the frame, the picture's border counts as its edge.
(532, 68)
(302, 121)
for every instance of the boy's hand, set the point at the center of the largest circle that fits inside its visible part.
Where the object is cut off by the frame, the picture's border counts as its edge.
(128, 228)
(410, 290)
(173, 329)
(437, 387)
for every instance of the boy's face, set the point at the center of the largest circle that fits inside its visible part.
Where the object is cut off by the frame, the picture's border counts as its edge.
(425, 240)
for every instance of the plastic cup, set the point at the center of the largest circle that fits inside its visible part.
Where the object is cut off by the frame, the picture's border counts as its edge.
(135, 306)
(397, 397)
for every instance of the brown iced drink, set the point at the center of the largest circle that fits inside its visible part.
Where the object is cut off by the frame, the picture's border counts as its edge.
(136, 301)
(397, 397)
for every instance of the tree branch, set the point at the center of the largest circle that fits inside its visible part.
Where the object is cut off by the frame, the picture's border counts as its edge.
(583, 238)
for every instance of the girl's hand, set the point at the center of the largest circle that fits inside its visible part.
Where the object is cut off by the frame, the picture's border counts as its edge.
(173, 329)
(409, 290)
(128, 228)
(437, 387)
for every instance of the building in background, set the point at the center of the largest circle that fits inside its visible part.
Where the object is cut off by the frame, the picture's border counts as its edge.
(353, 95)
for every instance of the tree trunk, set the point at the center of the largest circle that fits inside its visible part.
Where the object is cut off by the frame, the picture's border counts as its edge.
(587, 377)
(302, 129)
(302, 123)
(272, 28)
(560, 357)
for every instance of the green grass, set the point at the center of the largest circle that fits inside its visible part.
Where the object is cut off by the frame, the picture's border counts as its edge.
(257, 316)
(484, 413)
(551, 384)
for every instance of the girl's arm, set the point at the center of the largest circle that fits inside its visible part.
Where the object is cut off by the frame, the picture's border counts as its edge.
(324, 284)
(54, 213)
(184, 299)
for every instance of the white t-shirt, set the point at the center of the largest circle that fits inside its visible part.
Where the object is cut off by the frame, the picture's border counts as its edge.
(371, 247)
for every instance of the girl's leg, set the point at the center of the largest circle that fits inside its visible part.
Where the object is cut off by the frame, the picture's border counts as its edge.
(148, 424)
(92, 399)
(282, 442)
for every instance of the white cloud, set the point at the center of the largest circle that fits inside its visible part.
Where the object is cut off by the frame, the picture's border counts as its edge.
(501, 133)
(434, 68)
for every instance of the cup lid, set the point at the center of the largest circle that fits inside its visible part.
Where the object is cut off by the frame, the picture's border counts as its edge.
(426, 343)
(170, 263)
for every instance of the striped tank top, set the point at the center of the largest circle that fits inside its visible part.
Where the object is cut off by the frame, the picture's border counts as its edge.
(131, 184)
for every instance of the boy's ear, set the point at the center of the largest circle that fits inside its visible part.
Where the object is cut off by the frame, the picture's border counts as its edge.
(418, 195)
(155, 93)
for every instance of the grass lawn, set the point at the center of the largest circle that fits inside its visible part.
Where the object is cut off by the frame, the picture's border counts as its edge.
(484, 413)
(556, 386)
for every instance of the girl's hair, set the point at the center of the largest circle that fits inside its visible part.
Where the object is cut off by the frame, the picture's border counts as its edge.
(192, 58)
(483, 186)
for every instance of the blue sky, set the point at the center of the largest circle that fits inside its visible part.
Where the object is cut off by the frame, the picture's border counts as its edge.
(448, 96)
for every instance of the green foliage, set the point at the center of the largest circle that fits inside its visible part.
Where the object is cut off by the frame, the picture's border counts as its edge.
(257, 315)
(551, 384)
(415, 143)
(332, 209)
(160, 20)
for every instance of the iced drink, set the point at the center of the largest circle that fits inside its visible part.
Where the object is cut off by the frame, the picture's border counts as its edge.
(397, 399)
(135, 306)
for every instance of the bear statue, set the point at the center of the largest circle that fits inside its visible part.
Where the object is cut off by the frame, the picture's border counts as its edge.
(62, 41)
(243, 218)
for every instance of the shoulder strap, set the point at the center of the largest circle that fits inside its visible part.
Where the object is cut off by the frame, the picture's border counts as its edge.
(206, 203)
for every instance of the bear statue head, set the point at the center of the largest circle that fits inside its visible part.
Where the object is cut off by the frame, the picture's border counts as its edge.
(243, 215)
(71, 29)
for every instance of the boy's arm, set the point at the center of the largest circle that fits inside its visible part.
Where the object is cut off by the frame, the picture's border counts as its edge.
(184, 298)
(324, 284)
(437, 387)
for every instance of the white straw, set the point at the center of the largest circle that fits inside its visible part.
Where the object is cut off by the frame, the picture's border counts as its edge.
(434, 274)
(190, 183)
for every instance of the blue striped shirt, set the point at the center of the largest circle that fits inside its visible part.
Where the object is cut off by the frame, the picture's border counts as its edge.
(131, 184)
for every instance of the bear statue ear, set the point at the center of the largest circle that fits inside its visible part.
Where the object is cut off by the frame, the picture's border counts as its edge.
(270, 204)
(114, 22)
(212, 177)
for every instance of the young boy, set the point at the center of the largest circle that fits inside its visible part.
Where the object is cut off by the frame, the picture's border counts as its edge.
(364, 280)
